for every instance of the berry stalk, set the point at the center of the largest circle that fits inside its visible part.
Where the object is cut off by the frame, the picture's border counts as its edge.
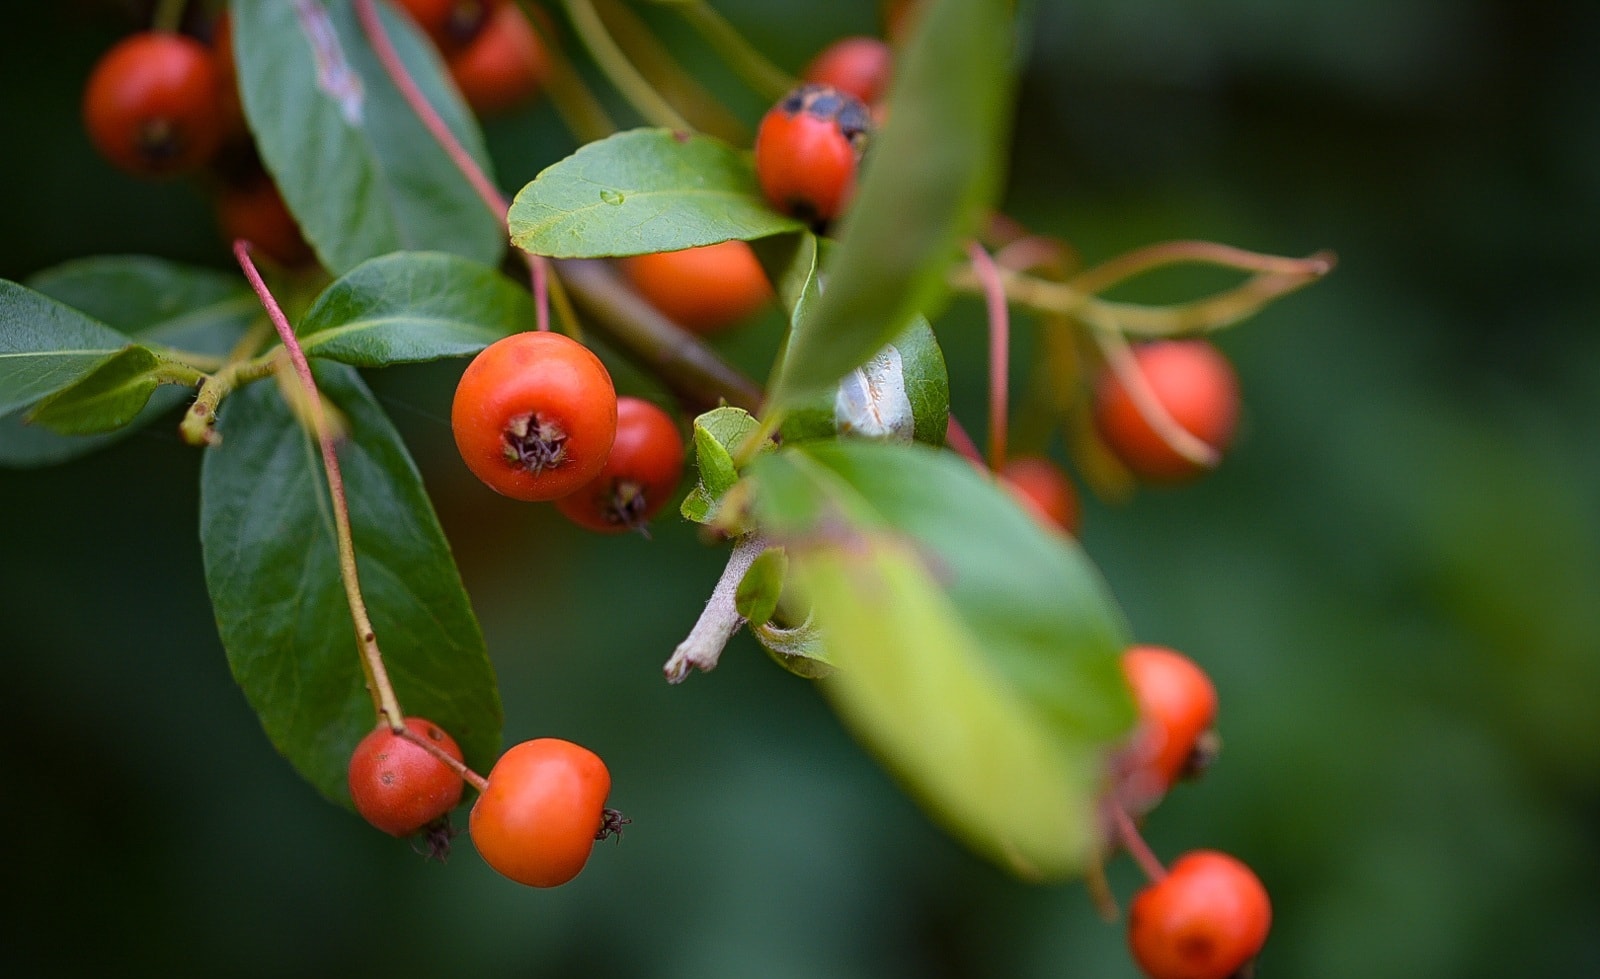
(383, 696)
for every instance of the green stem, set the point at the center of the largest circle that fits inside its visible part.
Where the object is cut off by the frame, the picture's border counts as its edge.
(766, 78)
(199, 425)
(1203, 315)
(603, 49)
(577, 106)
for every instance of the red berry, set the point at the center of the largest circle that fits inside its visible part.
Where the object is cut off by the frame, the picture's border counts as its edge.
(398, 786)
(1045, 491)
(451, 24)
(1177, 705)
(543, 809)
(152, 106)
(858, 65)
(534, 416)
(1195, 384)
(504, 65)
(705, 289)
(808, 148)
(256, 213)
(638, 479)
(1205, 920)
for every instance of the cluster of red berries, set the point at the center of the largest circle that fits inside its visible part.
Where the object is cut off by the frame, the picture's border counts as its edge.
(536, 417)
(163, 104)
(1207, 916)
(537, 816)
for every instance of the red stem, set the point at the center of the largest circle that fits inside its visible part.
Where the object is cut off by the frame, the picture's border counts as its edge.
(487, 192)
(994, 292)
(958, 439)
(1136, 846)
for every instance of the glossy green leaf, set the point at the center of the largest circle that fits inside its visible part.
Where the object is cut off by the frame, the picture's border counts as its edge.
(413, 306)
(266, 532)
(151, 299)
(717, 433)
(356, 166)
(901, 393)
(640, 191)
(45, 346)
(105, 399)
(979, 658)
(928, 180)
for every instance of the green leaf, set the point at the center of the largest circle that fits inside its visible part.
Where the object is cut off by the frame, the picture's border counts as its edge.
(901, 393)
(45, 346)
(979, 658)
(641, 191)
(266, 532)
(157, 301)
(756, 598)
(413, 306)
(105, 399)
(358, 169)
(928, 180)
(151, 299)
(717, 433)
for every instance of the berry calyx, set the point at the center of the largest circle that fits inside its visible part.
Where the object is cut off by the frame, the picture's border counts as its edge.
(534, 416)
(1196, 385)
(1045, 491)
(1177, 706)
(451, 24)
(504, 66)
(639, 477)
(152, 105)
(860, 66)
(704, 290)
(808, 148)
(542, 811)
(399, 787)
(1205, 920)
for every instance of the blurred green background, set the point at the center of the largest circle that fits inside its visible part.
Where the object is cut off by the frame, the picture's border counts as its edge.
(1394, 579)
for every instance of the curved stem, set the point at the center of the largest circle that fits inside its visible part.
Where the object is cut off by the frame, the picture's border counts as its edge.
(719, 621)
(603, 48)
(199, 424)
(1142, 260)
(1211, 313)
(766, 78)
(1136, 846)
(1120, 358)
(999, 351)
(383, 696)
(677, 86)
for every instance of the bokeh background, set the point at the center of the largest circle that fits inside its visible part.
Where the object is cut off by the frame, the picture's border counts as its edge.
(1394, 579)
